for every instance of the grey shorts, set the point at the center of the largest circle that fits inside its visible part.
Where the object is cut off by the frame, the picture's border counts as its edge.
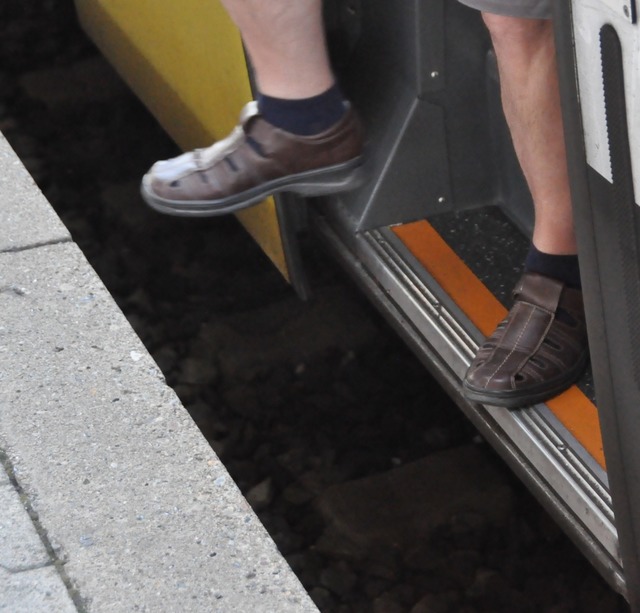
(531, 9)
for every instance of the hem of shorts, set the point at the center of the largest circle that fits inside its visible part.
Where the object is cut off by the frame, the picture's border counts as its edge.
(534, 9)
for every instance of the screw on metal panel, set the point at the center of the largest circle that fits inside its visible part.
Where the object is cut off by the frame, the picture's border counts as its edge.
(442, 200)
(435, 74)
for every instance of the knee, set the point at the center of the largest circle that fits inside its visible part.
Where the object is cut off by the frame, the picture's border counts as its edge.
(517, 32)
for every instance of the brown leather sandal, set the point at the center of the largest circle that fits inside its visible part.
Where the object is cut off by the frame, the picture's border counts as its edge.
(255, 161)
(534, 354)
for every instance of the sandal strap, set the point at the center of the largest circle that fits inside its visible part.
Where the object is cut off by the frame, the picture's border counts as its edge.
(205, 158)
(549, 294)
(540, 291)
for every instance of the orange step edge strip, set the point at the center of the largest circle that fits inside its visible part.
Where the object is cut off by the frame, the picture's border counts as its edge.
(572, 408)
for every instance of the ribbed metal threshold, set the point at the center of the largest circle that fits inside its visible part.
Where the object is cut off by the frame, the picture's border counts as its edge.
(562, 474)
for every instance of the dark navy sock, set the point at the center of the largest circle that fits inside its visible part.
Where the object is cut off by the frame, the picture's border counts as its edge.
(564, 268)
(304, 116)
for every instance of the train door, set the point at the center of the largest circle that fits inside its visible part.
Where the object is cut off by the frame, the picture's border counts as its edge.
(599, 42)
(435, 237)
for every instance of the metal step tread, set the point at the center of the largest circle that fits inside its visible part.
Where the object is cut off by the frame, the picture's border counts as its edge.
(559, 469)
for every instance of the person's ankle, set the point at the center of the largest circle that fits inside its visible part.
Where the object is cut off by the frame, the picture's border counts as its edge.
(564, 268)
(305, 116)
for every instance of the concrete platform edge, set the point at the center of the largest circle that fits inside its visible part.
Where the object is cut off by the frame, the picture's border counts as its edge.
(132, 508)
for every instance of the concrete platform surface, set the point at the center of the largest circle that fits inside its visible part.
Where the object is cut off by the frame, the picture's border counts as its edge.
(129, 509)
(28, 219)
(29, 581)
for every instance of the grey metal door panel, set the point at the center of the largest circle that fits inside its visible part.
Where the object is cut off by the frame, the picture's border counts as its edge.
(600, 96)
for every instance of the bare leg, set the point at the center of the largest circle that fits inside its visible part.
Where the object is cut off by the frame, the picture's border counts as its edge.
(286, 42)
(526, 61)
(299, 138)
(540, 349)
